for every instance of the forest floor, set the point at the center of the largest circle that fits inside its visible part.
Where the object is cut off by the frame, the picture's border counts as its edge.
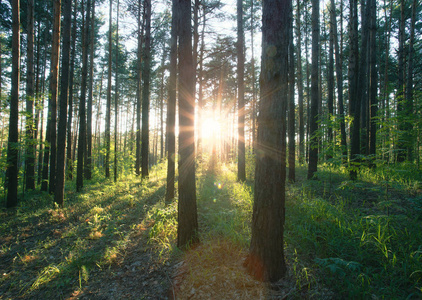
(343, 239)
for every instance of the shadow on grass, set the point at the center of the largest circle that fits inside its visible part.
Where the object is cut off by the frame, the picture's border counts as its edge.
(47, 252)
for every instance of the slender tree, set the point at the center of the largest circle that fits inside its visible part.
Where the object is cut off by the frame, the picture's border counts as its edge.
(291, 104)
(64, 90)
(69, 157)
(30, 80)
(354, 99)
(82, 100)
(171, 106)
(88, 161)
(241, 173)
(313, 118)
(300, 84)
(12, 146)
(339, 76)
(373, 78)
(116, 93)
(266, 254)
(138, 92)
(108, 104)
(187, 211)
(146, 91)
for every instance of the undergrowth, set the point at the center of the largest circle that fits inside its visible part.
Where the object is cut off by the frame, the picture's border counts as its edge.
(343, 239)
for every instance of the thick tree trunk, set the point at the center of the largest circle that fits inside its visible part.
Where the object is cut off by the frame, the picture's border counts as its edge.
(138, 92)
(146, 92)
(12, 147)
(313, 120)
(241, 173)
(64, 90)
(266, 254)
(30, 79)
(187, 230)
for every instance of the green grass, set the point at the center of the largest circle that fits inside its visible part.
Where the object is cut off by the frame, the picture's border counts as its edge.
(343, 239)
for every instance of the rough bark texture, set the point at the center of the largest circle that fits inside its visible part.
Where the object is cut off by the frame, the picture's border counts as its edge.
(12, 146)
(313, 118)
(241, 173)
(187, 210)
(330, 88)
(146, 92)
(138, 94)
(116, 93)
(266, 258)
(373, 80)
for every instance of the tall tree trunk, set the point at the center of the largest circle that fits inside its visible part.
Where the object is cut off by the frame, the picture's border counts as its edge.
(339, 75)
(266, 253)
(51, 134)
(69, 157)
(241, 173)
(108, 104)
(362, 91)
(300, 85)
(291, 103)
(187, 230)
(12, 147)
(163, 60)
(200, 82)
(41, 157)
(146, 92)
(313, 125)
(409, 135)
(88, 162)
(138, 91)
(171, 105)
(401, 110)
(64, 89)
(354, 98)
(254, 100)
(82, 101)
(116, 94)
(30, 79)
(373, 80)
(330, 88)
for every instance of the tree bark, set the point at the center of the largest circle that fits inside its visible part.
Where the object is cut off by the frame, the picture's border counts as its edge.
(12, 146)
(291, 104)
(187, 230)
(138, 92)
(354, 98)
(146, 92)
(313, 120)
(30, 79)
(373, 80)
(171, 106)
(82, 101)
(88, 162)
(64, 90)
(108, 104)
(266, 253)
(300, 85)
(241, 173)
(116, 94)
